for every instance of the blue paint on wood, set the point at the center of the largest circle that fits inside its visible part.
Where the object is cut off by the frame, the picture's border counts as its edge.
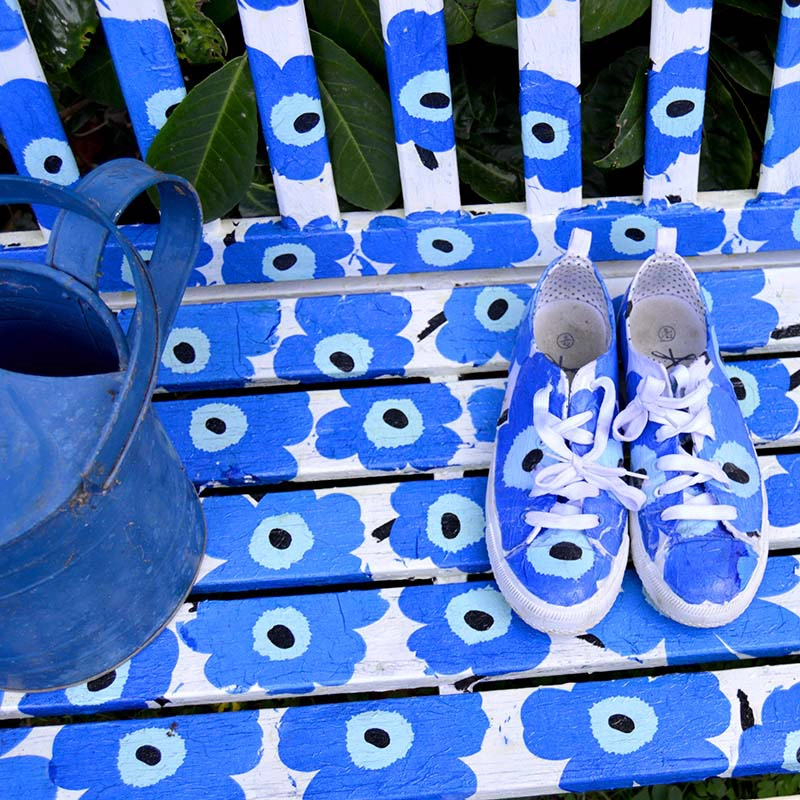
(787, 53)
(784, 512)
(267, 5)
(23, 776)
(532, 8)
(12, 28)
(148, 71)
(117, 275)
(772, 220)
(686, 5)
(484, 411)
(781, 137)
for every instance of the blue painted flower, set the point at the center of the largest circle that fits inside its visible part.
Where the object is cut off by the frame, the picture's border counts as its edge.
(394, 748)
(12, 29)
(345, 336)
(144, 677)
(787, 53)
(617, 632)
(266, 5)
(532, 8)
(471, 627)
(441, 520)
(432, 241)
(774, 743)
(285, 539)
(781, 141)
(616, 733)
(116, 270)
(773, 220)
(421, 99)
(270, 252)
(285, 645)
(482, 322)
(226, 439)
(23, 776)
(742, 320)
(484, 409)
(393, 427)
(782, 490)
(628, 230)
(685, 5)
(291, 115)
(762, 390)
(551, 130)
(675, 100)
(187, 757)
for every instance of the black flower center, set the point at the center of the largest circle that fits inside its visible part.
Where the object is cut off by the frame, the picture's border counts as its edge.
(52, 164)
(305, 122)
(451, 525)
(532, 459)
(395, 418)
(636, 234)
(434, 100)
(377, 737)
(566, 551)
(184, 352)
(680, 108)
(148, 754)
(168, 112)
(497, 309)
(738, 383)
(442, 245)
(281, 637)
(103, 682)
(621, 723)
(284, 261)
(216, 425)
(280, 539)
(543, 132)
(735, 473)
(479, 620)
(342, 361)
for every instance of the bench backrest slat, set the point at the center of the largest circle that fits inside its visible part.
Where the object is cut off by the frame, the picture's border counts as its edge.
(139, 38)
(679, 40)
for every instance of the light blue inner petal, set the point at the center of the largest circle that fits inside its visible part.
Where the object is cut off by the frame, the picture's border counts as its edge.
(289, 262)
(215, 426)
(281, 634)
(149, 755)
(790, 749)
(795, 226)
(82, 696)
(561, 553)
(344, 355)
(745, 382)
(443, 247)
(187, 351)
(159, 103)
(790, 11)
(393, 423)
(740, 467)
(498, 309)
(280, 541)
(633, 234)
(523, 450)
(670, 116)
(478, 615)
(427, 96)
(376, 739)
(544, 135)
(455, 522)
(623, 725)
(297, 120)
(50, 159)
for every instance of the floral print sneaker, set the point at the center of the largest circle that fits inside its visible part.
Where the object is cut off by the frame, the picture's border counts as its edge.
(557, 502)
(697, 541)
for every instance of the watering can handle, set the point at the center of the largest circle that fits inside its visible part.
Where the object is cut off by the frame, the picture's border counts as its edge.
(77, 248)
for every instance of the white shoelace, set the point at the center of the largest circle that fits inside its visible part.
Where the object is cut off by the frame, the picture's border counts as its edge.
(576, 477)
(682, 411)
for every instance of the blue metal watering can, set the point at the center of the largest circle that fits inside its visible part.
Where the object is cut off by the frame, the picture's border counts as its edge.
(101, 531)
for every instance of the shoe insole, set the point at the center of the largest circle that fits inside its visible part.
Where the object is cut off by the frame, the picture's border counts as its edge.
(571, 333)
(667, 329)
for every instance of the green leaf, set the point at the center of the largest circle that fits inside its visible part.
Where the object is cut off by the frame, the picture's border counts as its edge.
(601, 17)
(459, 17)
(354, 25)
(759, 8)
(726, 157)
(494, 172)
(474, 96)
(613, 112)
(61, 29)
(359, 123)
(94, 75)
(259, 201)
(197, 39)
(219, 11)
(751, 69)
(496, 22)
(210, 138)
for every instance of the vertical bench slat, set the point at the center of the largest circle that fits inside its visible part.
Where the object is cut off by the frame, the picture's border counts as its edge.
(676, 85)
(29, 120)
(550, 72)
(139, 38)
(419, 83)
(288, 97)
(780, 165)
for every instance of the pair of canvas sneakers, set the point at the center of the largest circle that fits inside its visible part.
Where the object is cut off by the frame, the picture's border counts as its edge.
(560, 495)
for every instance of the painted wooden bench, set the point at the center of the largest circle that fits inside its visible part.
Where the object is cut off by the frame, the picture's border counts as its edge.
(342, 564)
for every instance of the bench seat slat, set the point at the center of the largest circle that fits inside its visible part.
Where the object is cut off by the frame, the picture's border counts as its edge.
(486, 745)
(411, 638)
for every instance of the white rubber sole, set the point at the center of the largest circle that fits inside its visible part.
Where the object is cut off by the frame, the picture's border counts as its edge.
(546, 617)
(699, 615)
